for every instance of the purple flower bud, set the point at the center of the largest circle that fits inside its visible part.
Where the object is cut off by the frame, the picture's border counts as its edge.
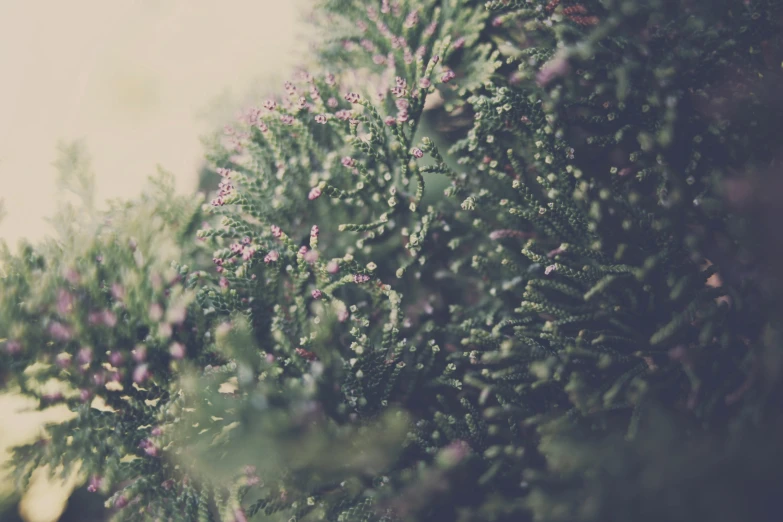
(13, 347)
(425, 83)
(223, 282)
(349, 162)
(316, 294)
(273, 255)
(552, 69)
(276, 232)
(390, 121)
(64, 302)
(115, 358)
(302, 250)
(141, 373)
(417, 152)
(59, 331)
(121, 502)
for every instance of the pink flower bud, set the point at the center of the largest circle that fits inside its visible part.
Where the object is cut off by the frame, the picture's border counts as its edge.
(417, 152)
(390, 121)
(72, 276)
(139, 353)
(95, 483)
(311, 256)
(156, 312)
(63, 360)
(223, 283)
(332, 267)
(349, 162)
(109, 318)
(177, 350)
(448, 76)
(84, 356)
(315, 193)
(274, 255)
(276, 232)
(317, 294)
(117, 291)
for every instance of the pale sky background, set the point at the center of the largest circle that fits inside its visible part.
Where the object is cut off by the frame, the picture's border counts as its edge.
(140, 81)
(134, 78)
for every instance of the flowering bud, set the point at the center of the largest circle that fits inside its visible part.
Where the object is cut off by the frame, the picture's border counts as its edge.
(177, 350)
(13, 347)
(448, 76)
(317, 294)
(116, 359)
(141, 373)
(315, 193)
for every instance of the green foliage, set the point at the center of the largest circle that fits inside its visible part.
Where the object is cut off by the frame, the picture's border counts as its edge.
(585, 296)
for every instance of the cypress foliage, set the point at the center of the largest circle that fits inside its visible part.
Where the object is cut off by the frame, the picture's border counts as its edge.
(580, 322)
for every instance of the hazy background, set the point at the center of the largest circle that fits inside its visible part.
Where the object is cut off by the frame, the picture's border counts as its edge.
(140, 81)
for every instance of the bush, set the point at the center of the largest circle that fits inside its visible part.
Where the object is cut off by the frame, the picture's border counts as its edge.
(554, 338)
